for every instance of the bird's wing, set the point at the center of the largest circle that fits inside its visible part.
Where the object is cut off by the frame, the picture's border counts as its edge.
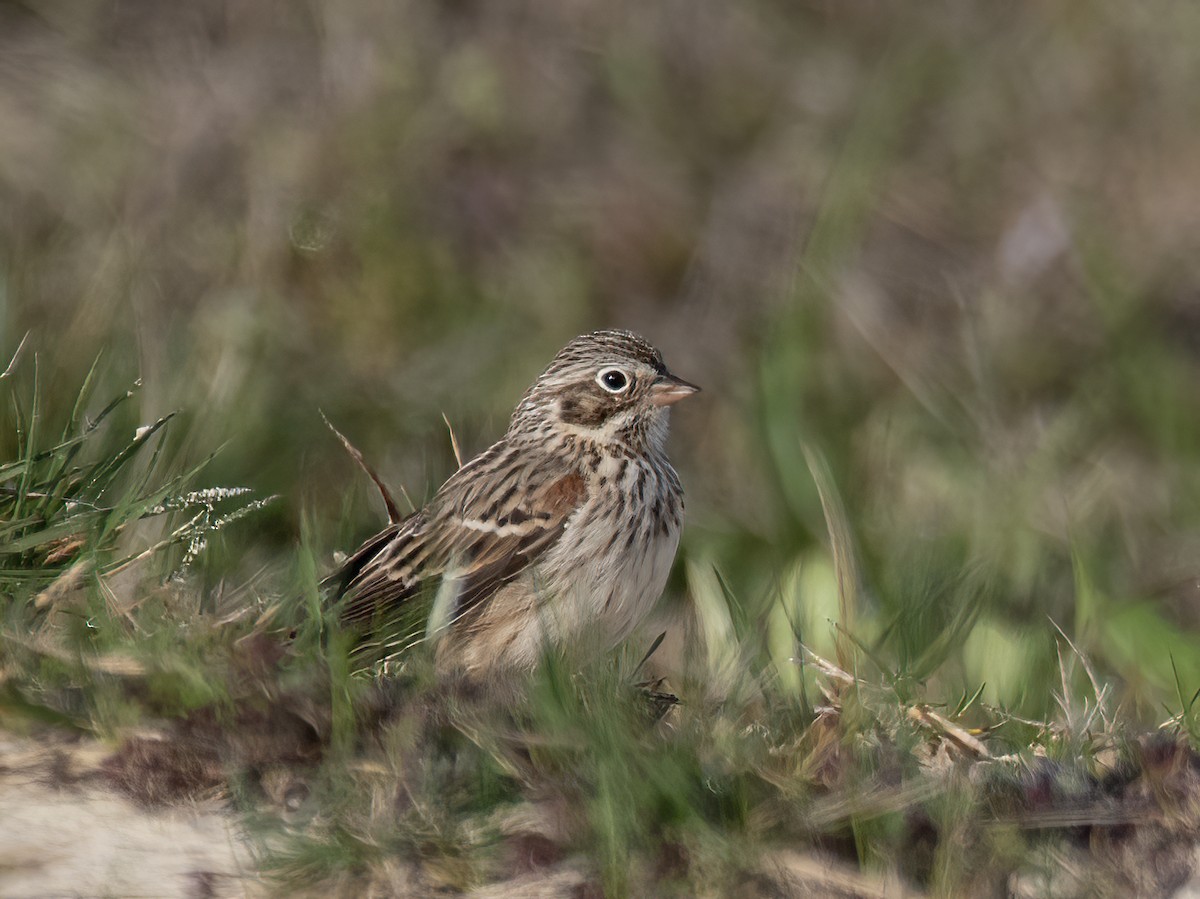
(483, 529)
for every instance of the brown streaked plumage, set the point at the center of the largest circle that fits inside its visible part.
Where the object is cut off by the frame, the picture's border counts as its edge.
(563, 529)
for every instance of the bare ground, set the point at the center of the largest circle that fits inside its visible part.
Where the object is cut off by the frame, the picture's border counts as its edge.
(65, 832)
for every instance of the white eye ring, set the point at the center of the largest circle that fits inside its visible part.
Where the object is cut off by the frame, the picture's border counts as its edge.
(614, 379)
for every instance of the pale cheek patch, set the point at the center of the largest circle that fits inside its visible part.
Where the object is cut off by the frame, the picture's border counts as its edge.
(607, 431)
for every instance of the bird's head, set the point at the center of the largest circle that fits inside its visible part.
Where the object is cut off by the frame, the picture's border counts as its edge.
(606, 387)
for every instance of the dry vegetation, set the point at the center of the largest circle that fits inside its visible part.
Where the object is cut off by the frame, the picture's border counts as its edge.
(934, 623)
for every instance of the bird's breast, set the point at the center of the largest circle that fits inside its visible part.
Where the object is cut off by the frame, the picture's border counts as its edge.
(616, 552)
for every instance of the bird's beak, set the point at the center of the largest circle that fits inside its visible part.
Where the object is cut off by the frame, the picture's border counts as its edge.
(668, 390)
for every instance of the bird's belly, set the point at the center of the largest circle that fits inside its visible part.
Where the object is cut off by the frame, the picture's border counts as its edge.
(591, 591)
(608, 592)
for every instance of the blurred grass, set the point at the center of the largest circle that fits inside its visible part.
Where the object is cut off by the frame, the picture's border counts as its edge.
(949, 249)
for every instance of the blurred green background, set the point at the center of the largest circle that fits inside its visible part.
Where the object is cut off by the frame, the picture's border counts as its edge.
(950, 247)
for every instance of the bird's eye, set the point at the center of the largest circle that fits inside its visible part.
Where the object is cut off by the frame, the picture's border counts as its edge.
(614, 380)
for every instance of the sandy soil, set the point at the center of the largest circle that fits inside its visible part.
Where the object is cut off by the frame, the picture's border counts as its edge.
(63, 832)
(66, 831)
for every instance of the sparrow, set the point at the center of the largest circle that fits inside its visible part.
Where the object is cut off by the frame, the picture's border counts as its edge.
(562, 531)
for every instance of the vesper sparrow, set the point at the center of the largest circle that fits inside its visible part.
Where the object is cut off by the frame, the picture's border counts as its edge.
(563, 530)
